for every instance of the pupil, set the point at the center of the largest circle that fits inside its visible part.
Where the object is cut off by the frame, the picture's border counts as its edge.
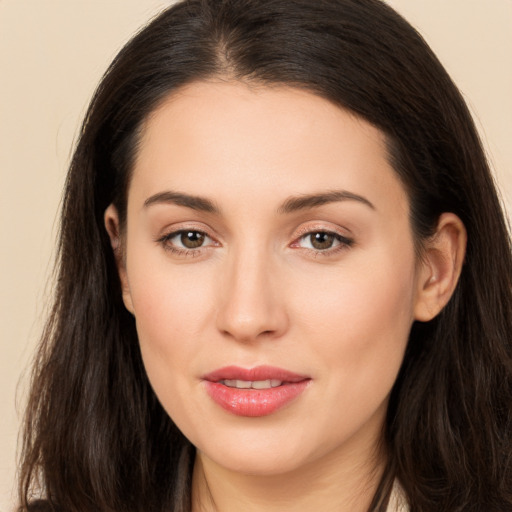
(192, 239)
(322, 240)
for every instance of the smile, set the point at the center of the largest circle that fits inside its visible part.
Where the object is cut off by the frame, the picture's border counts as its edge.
(254, 392)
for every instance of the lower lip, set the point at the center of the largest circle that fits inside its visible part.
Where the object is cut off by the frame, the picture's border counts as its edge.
(254, 402)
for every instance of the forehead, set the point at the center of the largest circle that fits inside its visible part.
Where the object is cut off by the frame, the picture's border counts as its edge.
(259, 140)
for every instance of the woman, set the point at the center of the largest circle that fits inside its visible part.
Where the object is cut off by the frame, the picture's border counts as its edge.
(284, 277)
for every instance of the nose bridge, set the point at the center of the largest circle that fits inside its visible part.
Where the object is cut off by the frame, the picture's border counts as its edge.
(251, 305)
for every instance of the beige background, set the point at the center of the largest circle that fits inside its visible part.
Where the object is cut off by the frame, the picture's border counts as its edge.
(52, 53)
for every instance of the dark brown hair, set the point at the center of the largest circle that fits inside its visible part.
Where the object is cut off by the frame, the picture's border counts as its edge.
(96, 437)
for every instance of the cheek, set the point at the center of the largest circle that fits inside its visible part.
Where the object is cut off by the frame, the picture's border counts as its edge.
(357, 332)
(169, 326)
(361, 323)
(172, 307)
(167, 298)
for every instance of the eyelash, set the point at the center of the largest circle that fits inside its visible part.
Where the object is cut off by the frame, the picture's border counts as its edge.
(343, 243)
(165, 241)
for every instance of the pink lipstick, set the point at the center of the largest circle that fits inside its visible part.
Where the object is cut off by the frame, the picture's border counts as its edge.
(254, 392)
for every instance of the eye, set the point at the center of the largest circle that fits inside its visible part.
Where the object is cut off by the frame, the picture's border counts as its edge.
(190, 239)
(322, 241)
(186, 240)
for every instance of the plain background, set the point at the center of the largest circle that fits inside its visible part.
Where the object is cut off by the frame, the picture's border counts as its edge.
(52, 54)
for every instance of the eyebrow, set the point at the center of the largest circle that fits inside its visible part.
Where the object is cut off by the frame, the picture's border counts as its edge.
(291, 205)
(304, 202)
(181, 199)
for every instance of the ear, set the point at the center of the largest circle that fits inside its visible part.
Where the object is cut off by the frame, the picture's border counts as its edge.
(111, 219)
(440, 267)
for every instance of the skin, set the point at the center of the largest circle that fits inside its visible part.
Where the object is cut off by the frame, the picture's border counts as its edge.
(258, 292)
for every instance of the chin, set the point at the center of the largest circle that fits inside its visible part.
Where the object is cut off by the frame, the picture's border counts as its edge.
(259, 464)
(261, 452)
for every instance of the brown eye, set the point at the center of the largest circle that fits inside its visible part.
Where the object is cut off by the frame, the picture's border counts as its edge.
(192, 239)
(322, 240)
(186, 242)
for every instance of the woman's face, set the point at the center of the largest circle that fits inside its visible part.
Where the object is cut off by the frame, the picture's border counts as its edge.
(270, 266)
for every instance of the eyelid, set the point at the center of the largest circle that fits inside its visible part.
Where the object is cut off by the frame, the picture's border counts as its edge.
(164, 239)
(174, 234)
(344, 240)
(317, 227)
(178, 227)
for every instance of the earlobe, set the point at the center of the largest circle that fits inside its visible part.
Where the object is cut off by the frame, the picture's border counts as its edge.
(440, 267)
(111, 219)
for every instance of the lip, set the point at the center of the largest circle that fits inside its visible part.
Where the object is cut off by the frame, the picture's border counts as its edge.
(254, 402)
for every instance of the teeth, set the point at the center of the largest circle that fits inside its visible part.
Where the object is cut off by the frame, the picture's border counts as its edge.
(240, 384)
(254, 384)
(262, 384)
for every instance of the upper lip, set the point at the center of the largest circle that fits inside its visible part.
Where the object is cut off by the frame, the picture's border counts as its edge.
(257, 373)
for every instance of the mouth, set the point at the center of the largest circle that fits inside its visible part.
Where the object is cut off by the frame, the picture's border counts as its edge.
(254, 392)
(255, 384)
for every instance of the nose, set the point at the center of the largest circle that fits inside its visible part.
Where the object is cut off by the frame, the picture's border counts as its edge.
(252, 302)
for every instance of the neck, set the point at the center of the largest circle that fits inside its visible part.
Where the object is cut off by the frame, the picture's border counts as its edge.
(336, 483)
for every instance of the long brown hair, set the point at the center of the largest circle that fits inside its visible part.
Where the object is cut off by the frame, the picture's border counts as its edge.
(96, 437)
